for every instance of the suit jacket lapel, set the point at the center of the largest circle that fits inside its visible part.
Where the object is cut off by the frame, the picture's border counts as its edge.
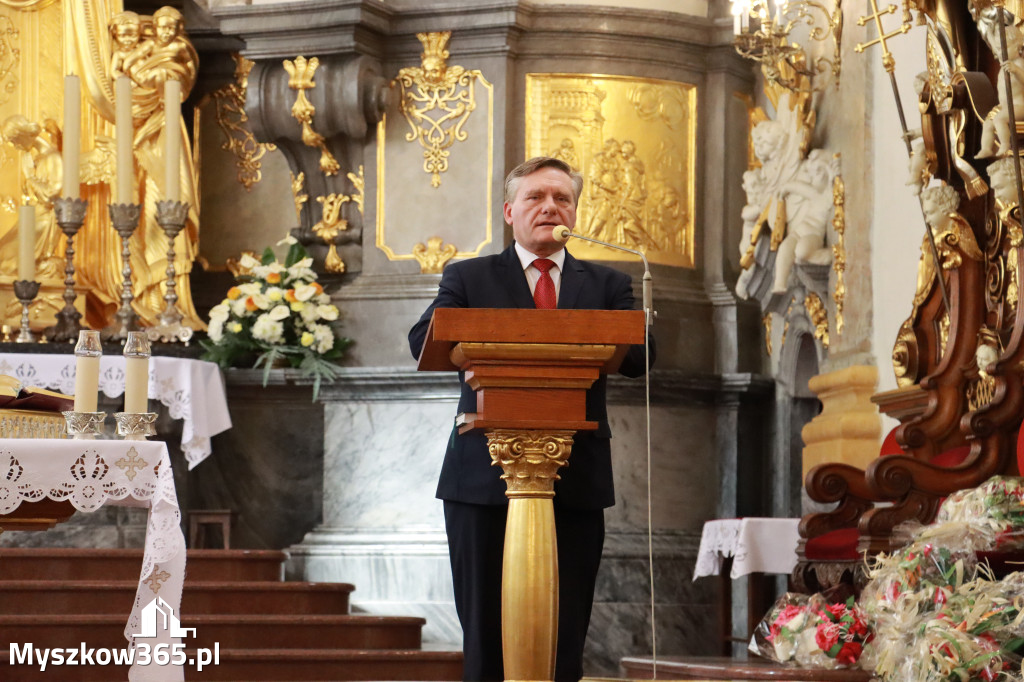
(515, 278)
(571, 284)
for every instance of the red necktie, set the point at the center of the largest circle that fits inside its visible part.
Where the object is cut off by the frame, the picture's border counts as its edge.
(544, 293)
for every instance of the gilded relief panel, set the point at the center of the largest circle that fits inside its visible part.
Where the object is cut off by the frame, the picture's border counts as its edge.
(31, 85)
(634, 140)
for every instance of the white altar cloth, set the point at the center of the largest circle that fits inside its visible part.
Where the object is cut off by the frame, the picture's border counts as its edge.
(757, 545)
(192, 390)
(91, 473)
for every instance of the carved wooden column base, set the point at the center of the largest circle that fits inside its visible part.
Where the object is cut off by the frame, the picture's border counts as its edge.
(529, 584)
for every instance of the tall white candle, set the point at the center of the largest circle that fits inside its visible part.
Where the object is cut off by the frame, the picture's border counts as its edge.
(87, 370)
(125, 133)
(72, 135)
(172, 140)
(27, 242)
(136, 373)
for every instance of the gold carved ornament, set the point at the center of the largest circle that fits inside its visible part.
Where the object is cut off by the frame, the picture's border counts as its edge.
(767, 321)
(819, 317)
(904, 356)
(300, 78)
(229, 103)
(298, 195)
(332, 224)
(436, 100)
(10, 58)
(433, 255)
(530, 460)
(839, 249)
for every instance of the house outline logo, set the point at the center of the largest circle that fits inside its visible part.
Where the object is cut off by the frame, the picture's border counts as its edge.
(159, 615)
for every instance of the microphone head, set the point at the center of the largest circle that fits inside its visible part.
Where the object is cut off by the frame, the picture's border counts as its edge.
(561, 234)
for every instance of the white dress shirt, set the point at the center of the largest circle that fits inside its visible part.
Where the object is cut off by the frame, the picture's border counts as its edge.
(533, 274)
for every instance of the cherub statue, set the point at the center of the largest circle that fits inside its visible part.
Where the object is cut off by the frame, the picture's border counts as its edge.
(126, 30)
(996, 126)
(808, 199)
(940, 203)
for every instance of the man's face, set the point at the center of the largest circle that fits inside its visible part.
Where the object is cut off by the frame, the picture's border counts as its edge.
(543, 200)
(166, 30)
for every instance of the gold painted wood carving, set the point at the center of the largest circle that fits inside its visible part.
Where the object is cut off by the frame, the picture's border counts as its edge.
(839, 248)
(10, 57)
(231, 117)
(819, 317)
(298, 195)
(330, 226)
(634, 141)
(300, 78)
(433, 255)
(529, 459)
(436, 100)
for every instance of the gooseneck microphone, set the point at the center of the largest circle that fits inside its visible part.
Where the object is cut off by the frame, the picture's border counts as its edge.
(561, 234)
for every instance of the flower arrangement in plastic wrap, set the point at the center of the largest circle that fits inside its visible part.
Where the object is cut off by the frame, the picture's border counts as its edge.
(808, 631)
(277, 312)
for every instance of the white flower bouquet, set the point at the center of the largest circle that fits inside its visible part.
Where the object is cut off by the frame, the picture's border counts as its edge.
(278, 313)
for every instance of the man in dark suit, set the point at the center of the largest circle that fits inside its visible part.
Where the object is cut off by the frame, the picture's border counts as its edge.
(535, 271)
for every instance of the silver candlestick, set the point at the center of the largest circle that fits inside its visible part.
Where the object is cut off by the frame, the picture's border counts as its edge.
(171, 215)
(84, 425)
(125, 218)
(135, 425)
(70, 216)
(25, 290)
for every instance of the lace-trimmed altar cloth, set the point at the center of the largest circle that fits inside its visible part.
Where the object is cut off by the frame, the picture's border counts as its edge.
(91, 473)
(757, 545)
(192, 390)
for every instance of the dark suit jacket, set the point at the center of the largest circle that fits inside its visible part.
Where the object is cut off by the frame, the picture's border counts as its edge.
(499, 282)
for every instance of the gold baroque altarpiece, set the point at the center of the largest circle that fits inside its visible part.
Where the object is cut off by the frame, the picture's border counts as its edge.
(634, 140)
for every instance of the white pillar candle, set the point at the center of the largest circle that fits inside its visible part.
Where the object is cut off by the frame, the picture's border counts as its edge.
(27, 242)
(172, 140)
(125, 134)
(87, 370)
(72, 135)
(136, 373)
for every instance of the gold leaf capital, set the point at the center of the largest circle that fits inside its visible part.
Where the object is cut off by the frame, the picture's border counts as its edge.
(529, 459)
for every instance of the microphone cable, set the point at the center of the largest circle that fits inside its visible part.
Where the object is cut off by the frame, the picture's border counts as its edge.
(562, 234)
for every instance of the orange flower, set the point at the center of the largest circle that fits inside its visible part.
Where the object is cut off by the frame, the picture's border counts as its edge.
(274, 277)
(250, 305)
(319, 289)
(234, 293)
(290, 296)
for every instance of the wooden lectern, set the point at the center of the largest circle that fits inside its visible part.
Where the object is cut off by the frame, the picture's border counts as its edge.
(531, 370)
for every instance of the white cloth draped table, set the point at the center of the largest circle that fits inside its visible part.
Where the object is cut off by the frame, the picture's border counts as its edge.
(192, 390)
(757, 545)
(91, 473)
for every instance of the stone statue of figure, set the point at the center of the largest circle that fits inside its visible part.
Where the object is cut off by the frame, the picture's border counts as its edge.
(41, 168)
(995, 130)
(808, 198)
(151, 53)
(940, 203)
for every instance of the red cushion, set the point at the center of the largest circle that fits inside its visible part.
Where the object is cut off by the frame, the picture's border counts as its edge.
(890, 446)
(835, 545)
(951, 458)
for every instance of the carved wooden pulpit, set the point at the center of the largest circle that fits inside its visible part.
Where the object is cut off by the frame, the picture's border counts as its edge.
(531, 370)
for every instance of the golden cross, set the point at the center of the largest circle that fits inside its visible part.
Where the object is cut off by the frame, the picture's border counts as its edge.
(887, 61)
(131, 464)
(156, 580)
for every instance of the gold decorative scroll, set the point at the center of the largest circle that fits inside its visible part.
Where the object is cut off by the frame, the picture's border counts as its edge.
(231, 117)
(300, 77)
(767, 321)
(433, 255)
(634, 140)
(819, 317)
(359, 182)
(460, 212)
(436, 100)
(839, 248)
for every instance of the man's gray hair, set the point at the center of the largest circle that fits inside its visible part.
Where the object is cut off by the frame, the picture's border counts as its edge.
(535, 164)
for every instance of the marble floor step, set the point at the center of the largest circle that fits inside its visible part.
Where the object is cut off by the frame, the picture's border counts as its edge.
(39, 597)
(204, 565)
(721, 668)
(277, 665)
(240, 631)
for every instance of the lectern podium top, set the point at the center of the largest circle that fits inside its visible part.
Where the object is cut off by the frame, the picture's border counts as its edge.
(451, 326)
